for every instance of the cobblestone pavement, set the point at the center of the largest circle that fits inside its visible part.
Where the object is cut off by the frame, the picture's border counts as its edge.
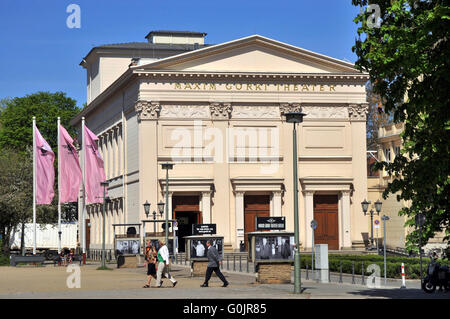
(50, 282)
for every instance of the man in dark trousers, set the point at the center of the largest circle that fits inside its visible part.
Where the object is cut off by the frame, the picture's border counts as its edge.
(214, 262)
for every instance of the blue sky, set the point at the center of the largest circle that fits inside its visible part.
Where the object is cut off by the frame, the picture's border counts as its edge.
(38, 52)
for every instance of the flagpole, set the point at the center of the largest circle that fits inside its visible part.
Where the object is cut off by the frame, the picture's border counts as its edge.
(34, 186)
(59, 188)
(83, 168)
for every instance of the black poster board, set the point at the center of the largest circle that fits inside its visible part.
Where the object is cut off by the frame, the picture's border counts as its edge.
(204, 229)
(270, 223)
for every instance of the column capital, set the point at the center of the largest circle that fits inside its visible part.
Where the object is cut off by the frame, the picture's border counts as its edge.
(289, 108)
(358, 112)
(346, 192)
(147, 110)
(239, 193)
(220, 110)
(308, 193)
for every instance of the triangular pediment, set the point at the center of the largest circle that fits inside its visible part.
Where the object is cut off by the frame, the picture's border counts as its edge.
(252, 54)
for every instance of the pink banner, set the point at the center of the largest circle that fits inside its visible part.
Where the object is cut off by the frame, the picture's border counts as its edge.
(69, 166)
(45, 172)
(94, 169)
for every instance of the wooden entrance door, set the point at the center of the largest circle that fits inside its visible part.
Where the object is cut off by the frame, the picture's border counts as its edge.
(254, 206)
(326, 215)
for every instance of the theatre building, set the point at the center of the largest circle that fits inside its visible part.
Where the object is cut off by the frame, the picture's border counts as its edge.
(217, 113)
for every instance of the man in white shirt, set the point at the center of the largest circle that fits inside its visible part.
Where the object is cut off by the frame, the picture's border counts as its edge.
(163, 265)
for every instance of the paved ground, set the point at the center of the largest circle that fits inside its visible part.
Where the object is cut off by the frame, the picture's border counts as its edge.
(50, 282)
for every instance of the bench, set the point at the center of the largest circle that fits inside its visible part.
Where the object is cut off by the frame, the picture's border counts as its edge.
(15, 259)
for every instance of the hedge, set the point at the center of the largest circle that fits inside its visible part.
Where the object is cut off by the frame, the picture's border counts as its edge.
(393, 264)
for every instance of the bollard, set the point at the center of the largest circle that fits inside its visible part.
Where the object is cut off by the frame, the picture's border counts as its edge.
(228, 262)
(329, 275)
(403, 277)
(240, 264)
(307, 275)
(362, 274)
(234, 262)
(340, 271)
(247, 264)
(353, 272)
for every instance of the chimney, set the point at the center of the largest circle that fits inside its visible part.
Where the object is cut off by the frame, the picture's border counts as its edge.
(176, 37)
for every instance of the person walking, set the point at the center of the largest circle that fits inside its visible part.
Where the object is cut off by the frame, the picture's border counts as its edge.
(214, 262)
(150, 261)
(163, 265)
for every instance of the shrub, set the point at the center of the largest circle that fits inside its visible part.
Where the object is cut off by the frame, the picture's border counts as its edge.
(393, 264)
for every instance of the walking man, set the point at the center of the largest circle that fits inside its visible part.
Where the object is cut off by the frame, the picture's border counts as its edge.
(163, 265)
(214, 262)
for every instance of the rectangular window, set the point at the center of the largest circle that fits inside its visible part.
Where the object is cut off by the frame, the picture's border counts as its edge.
(387, 154)
(397, 150)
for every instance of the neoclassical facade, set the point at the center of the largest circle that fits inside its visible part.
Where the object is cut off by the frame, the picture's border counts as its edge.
(217, 113)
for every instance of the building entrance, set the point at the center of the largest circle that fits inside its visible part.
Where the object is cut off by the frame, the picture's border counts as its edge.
(186, 211)
(326, 215)
(254, 206)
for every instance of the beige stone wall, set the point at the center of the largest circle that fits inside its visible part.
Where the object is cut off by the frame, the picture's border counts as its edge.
(159, 110)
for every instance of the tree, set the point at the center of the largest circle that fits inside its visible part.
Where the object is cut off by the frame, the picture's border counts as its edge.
(16, 118)
(16, 192)
(407, 59)
(16, 160)
(376, 117)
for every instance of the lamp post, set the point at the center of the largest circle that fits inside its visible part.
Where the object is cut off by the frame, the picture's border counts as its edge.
(420, 220)
(296, 117)
(167, 166)
(384, 218)
(365, 207)
(147, 211)
(104, 185)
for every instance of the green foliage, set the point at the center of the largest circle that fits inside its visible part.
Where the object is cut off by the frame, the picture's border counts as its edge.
(16, 159)
(393, 264)
(16, 118)
(4, 260)
(407, 59)
(16, 191)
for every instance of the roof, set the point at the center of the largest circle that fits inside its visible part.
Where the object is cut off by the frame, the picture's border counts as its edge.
(175, 32)
(152, 46)
(347, 66)
(148, 46)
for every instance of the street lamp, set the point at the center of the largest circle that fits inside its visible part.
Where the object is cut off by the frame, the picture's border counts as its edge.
(167, 166)
(146, 208)
(104, 185)
(161, 208)
(296, 117)
(365, 207)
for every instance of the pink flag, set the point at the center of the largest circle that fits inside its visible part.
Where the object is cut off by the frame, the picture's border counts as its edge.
(45, 172)
(69, 168)
(94, 168)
